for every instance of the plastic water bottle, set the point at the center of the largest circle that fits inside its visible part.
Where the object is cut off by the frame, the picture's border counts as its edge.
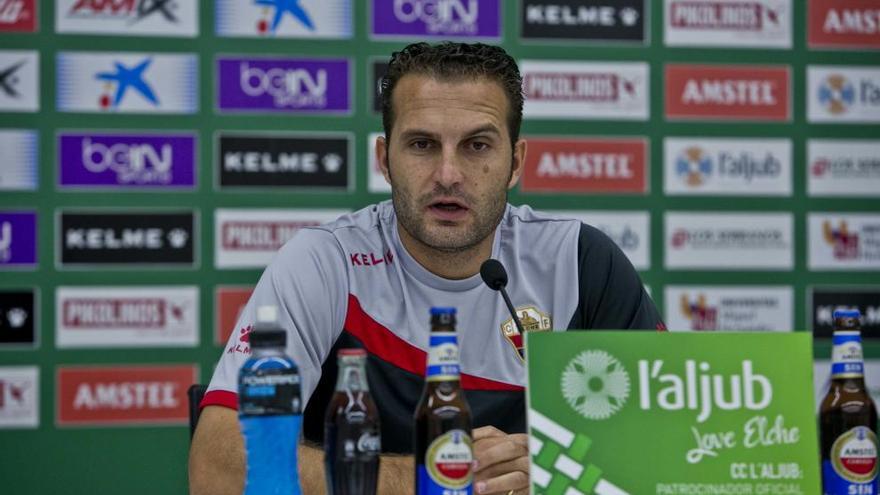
(269, 410)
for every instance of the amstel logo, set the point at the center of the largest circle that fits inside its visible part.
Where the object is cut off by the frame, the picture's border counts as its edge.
(701, 315)
(854, 455)
(693, 165)
(844, 242)
(837, 94)
(595, 384)
(533, 320)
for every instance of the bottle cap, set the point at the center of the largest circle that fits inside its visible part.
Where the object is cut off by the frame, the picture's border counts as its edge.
(271, 337)
(267, 313)
(351, 352)
(442, 310)
(846, 313)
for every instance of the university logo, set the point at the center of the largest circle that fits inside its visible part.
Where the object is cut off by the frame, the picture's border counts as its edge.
(127, 82)
(18, 16)
(843, 94)
(284, 160)
(436, 18)
(621, 20)
(844, 242)
(836, 94)
(585, 90)
(706, 92)
(18, 239)
(19, 81)
(19, 396)
(532, 319)
(701, 315)
(586, 165)
(283, 85)
(18, 317)
(18, 171)
(595, 384)
(757, 23)
(284, 18)
(128, 17)
(843, 24)
(126, 238)
(102, 160)
(693, 165)
(120, 395)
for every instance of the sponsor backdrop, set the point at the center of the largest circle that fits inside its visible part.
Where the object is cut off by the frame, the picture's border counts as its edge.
(155, 153)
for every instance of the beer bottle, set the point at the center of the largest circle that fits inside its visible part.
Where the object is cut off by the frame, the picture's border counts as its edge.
(848, 417)
(351, 430)
(443, 446)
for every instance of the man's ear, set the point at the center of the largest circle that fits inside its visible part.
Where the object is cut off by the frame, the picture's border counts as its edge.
(518, 161)
(382, 157)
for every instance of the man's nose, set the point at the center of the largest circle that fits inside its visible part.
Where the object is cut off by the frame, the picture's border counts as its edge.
(448, 171)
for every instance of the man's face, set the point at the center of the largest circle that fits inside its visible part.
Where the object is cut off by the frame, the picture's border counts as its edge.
(449, 160)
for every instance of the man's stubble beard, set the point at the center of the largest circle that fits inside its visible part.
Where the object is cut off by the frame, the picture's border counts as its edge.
(412, 219)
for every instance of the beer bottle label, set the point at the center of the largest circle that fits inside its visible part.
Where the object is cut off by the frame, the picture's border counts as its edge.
(852, 466)
(443, 357)
(447, 468)
(846, 355)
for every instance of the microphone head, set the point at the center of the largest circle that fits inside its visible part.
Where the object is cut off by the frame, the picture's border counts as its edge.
(493, 274)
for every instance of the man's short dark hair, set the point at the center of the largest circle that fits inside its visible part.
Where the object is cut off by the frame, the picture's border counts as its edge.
(450, 61)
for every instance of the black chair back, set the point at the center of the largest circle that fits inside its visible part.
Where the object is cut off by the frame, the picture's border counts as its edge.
(195, 393)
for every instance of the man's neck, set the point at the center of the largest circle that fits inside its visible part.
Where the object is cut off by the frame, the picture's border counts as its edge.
(454, 265)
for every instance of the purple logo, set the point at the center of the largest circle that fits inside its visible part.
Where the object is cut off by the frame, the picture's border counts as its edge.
(283, 85)
(126, 160)
(18, 239)
(437, 18)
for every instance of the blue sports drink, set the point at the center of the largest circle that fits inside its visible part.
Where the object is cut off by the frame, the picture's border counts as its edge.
(269, 410)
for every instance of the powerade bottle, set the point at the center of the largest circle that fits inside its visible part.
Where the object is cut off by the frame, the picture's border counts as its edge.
(848, 417)
(269, 410)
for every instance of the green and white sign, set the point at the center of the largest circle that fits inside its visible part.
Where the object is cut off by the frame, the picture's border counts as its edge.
(672, 413)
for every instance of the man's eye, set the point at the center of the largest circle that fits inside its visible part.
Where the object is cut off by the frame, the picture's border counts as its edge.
(479, 146)
(421, 144)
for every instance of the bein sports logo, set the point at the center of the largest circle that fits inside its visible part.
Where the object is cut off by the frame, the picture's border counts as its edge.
(440, 16)
(288, 87)
(701, 315)
(281, 7)
(844, 243)
(837, 94)
(124, 78)
(132, 10)
(132, 163)
(694, 165)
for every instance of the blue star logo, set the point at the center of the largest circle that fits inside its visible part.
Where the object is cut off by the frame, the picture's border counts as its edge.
(129, 78)
(291, 6)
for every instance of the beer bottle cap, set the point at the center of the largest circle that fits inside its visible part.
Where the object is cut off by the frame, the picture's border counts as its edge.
(440, 310)
(270, 337)
(846, 313)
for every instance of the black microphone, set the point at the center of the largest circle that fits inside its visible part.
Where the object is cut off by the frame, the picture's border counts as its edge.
(495, 276)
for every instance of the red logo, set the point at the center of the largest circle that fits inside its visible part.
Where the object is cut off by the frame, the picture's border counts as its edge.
(259, 236)
(702, 316)
(577, 87)
(106, 7)
(243, 343)
(229, 302)
(124, 394)
(18, 16)
(843, 23)
(739, 16)
(844, 242)
(586, 165)
(141, 313)
(714, 92)
(370, 259)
